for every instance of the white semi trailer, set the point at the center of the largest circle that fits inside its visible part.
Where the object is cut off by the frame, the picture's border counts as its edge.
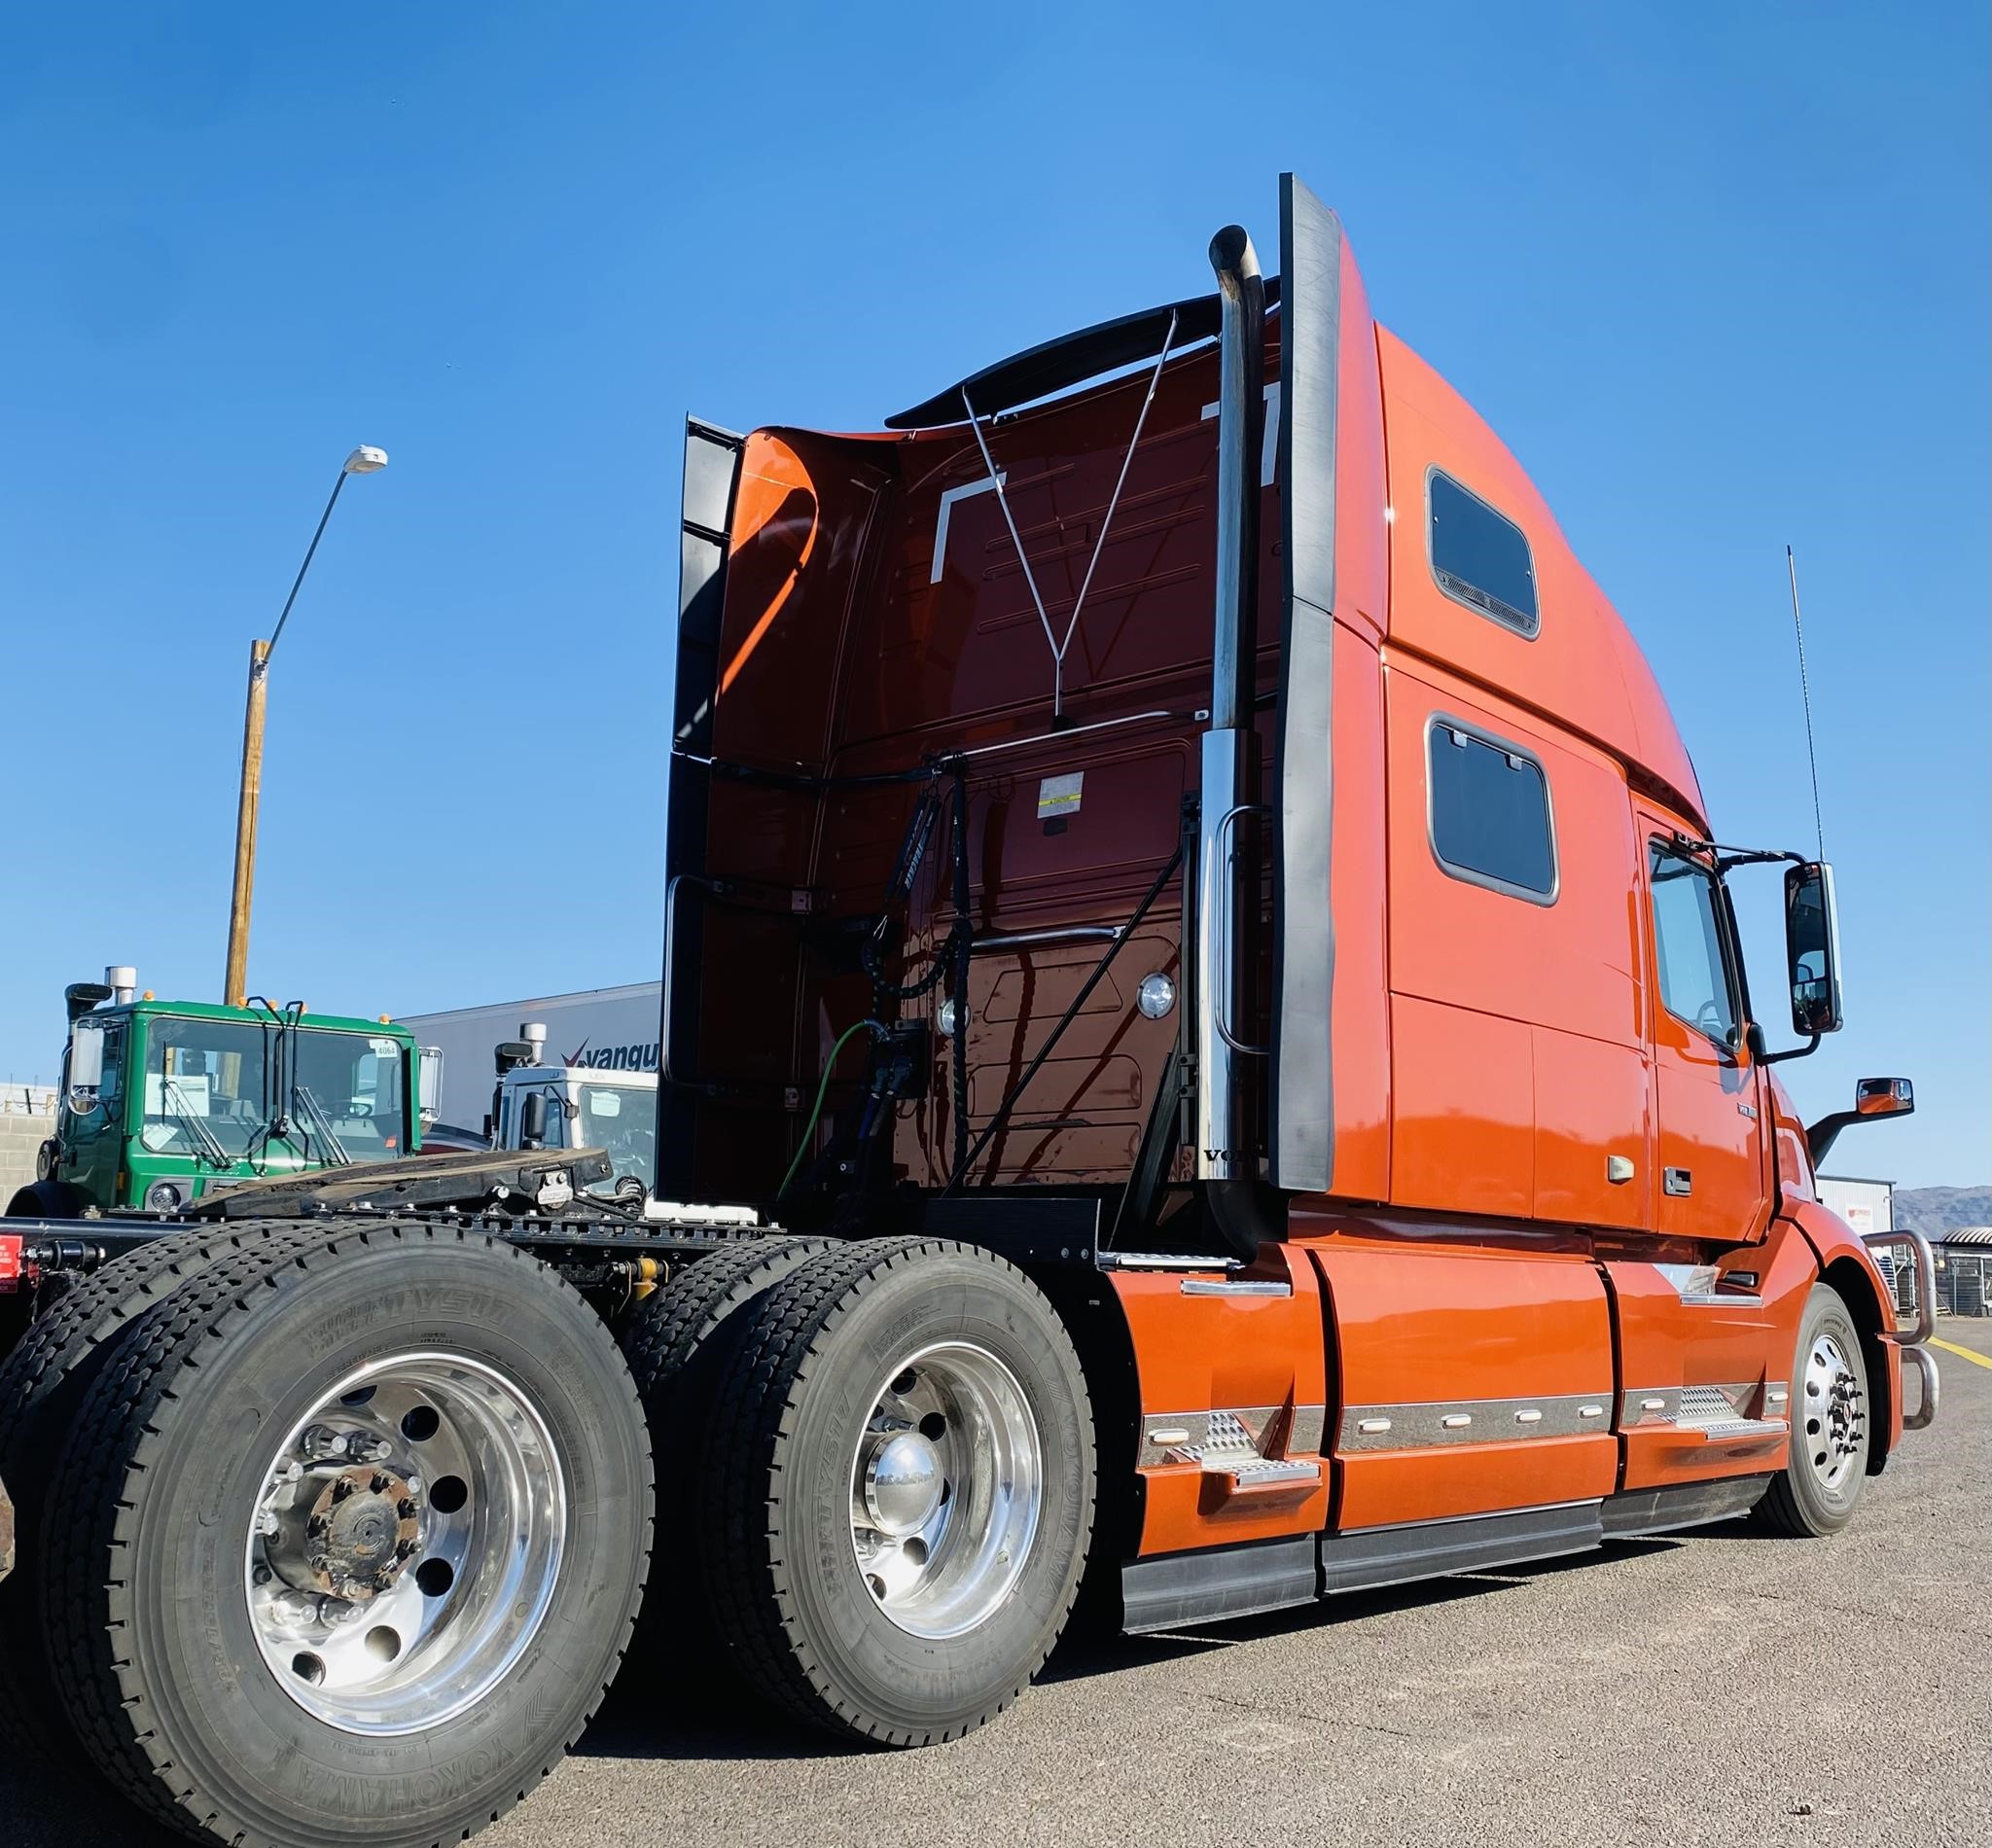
(595, 1030)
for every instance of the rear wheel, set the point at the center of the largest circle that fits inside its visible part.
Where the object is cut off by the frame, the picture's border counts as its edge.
(42, 1383)
(676, 1341)
(353, 1542)
(900, 1486)
(1831, 1426)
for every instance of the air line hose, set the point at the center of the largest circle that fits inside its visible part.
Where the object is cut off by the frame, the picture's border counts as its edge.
(822, 1090)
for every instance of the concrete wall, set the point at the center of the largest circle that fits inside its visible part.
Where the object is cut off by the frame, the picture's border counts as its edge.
(27, 1118)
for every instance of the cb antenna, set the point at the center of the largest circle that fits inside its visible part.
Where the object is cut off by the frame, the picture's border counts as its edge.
(1806, 689)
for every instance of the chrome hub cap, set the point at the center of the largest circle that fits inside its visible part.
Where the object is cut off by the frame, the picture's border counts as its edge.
(947, 1489)
(405, 1543)
(1835, 1413)
(903, 1485)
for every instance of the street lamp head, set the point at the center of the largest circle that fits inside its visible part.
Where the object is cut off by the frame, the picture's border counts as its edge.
(366, 460)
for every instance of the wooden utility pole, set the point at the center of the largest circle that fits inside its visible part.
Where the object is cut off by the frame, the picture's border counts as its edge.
(236, 985)
(364, 460)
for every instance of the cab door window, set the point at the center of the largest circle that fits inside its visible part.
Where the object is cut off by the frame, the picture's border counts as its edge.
(1696, 984)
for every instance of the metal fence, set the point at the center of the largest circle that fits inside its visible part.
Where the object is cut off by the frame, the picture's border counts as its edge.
(1964, 1279)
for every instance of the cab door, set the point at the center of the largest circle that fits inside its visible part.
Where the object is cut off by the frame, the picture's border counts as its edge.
(93, 1140)
(1703, 1361)
(1710, 1157)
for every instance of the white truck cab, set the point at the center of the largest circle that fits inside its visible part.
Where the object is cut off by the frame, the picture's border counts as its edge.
(584, 1108)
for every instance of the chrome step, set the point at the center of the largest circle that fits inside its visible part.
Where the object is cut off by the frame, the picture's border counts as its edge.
(1723, 1430)
(1266, 1473)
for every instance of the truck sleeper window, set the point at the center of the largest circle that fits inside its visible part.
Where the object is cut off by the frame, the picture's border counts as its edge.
(1480, 556)
(1687, 943)
(1490, 813)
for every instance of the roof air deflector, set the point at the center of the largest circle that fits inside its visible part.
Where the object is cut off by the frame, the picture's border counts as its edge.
(1072, 359)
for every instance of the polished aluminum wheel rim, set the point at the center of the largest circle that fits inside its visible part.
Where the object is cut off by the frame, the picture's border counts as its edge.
(947, 1486)
(1835, 1413)
(405, 1543)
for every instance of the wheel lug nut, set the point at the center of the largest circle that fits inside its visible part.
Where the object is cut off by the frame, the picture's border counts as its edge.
(406, 1508)
(378, 1482)
(341, 1489)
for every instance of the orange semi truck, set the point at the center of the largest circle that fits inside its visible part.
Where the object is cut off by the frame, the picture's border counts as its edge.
(1192, 927)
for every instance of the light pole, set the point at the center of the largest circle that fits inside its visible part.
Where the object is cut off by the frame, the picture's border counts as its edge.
(364, 460)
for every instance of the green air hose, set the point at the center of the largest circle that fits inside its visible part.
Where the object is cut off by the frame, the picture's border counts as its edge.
(817, 1109)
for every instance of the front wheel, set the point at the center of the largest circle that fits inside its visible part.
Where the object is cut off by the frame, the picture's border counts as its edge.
(900, 1481)
(353, 1542)
(1831, 1426)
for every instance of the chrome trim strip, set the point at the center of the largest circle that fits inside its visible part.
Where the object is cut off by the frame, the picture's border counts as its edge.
(1423, 1424)
(1304, 1434)
(1228, 1287)
(1164, 1260)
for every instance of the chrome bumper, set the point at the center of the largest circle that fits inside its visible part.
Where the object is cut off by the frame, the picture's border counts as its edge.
(1911, 1340)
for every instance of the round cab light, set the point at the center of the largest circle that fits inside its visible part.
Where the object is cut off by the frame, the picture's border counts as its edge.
(163, 1197)
(947, 1017)
(1155, 996)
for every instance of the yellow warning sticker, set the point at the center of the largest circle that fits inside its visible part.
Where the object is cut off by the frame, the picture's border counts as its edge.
(1058, 795)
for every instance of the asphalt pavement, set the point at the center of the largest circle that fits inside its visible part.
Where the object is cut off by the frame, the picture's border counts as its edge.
(1714, 1689)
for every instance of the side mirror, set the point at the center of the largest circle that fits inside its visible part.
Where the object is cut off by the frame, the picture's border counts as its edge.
(1885, 1097)
(86, 1066)
(532, 1120)
(1812, 948)
(1873, 1097)
(428, 1081)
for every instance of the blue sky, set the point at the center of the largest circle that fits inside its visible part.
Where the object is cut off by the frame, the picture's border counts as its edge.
(1716, 274)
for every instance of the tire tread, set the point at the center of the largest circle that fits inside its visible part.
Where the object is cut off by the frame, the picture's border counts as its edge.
(748, 1579)
(126, 1415)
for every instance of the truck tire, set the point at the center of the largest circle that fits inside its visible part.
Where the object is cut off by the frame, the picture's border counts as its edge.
(42, 1382)
(897, 1490)
(676, 1341)
(1831, 1426)
(667, 1338)
(48, 1200)
(278, 1615)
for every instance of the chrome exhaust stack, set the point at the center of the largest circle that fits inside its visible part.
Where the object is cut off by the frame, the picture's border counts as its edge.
(1228, 885)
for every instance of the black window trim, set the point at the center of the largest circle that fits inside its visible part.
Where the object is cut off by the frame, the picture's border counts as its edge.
(1725, 944)
(1472, 876)
(1527, 629)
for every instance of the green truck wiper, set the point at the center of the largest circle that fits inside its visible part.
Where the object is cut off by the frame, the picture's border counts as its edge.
(203, 1138)
(313, 1113)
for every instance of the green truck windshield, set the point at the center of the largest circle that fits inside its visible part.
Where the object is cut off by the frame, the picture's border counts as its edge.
(212, 1089)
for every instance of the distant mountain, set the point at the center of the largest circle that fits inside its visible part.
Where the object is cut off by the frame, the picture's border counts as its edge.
(1934, 1211)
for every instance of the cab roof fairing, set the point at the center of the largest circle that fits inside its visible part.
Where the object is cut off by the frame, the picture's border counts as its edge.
(1615, 699)
(1582, 669)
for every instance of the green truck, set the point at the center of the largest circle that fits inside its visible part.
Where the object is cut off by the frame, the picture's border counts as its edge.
(161, 1103)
